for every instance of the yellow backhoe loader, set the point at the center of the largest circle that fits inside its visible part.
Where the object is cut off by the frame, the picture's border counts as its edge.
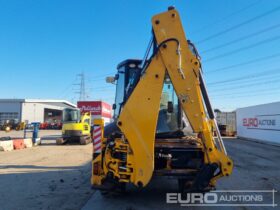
(163, 120)
(76, 127)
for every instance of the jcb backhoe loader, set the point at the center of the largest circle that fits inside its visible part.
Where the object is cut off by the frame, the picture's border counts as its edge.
(76, 127)
(155, 100)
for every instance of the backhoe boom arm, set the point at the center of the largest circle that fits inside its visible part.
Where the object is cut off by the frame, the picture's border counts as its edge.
(139, 115)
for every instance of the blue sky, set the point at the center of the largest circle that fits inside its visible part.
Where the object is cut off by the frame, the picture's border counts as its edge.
(44, 44)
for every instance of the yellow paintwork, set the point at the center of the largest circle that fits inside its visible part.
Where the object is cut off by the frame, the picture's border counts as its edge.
(21, 126)
(138, 118)
(139, 115)
(83, 125)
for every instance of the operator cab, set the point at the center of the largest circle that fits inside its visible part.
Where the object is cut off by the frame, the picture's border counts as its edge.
(171, 121)
(129, 73)
(71, 115)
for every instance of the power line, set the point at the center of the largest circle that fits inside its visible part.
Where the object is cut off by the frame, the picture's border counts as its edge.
(243, 48)
(245, 80)
(256, 91)
(238, 93)
(63, 92)
(238, 86)
(223, 19)
(103, 88)
(250, 95)
(94, 80)
(241, 38)
(244, 86)
(82, 90)
(245, 77)
(239, 25)
(105, 98)
(100, 76)
(262, 90)
(244, 63)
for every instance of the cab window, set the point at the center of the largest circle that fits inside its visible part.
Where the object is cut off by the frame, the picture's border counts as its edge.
(119, 93)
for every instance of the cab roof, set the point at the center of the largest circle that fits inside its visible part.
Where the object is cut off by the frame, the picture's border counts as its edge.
(129, 61)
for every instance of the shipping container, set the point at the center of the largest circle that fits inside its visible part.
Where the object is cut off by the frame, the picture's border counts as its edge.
(261, 122)
(231, 124)
(221, 118)
(227, 123)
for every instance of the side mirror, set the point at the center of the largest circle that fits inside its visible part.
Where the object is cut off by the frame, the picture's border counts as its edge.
(170, 107)
(114, 106)
(110, 80)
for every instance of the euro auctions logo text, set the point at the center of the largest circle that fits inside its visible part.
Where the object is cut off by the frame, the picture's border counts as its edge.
(258, 122)
(192, 198)
(224, 198)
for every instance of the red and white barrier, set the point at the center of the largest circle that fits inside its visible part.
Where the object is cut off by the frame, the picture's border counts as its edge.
(18, 144)
(28, 143)
(15, 144)
(6, 145)
(97, 139)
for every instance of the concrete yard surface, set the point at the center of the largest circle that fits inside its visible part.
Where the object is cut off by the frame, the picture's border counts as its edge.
(256, 167)
(45, 134)
(58, 177)
(45, 177)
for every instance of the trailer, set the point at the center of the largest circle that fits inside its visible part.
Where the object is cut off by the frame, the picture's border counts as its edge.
(226, 123)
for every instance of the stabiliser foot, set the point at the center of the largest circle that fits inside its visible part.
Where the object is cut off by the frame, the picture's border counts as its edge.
(204, 176)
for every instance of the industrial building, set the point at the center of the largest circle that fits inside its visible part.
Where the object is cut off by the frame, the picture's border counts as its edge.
(32, 110)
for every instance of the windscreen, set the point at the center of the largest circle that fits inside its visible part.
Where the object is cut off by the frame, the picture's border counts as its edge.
(168, 119)
(71, 115)
(128, 77)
